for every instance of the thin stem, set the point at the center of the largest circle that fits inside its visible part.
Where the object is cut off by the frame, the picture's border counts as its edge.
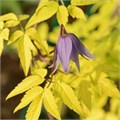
(62, 2)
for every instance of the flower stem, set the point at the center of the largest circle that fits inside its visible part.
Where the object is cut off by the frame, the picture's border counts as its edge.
(62, 2)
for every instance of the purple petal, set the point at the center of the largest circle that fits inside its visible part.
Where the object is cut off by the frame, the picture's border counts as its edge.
(64, 48)
(80, 47)
(74, 57)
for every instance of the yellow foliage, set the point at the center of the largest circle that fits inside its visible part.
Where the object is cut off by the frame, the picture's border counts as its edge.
(49, 103)
(76, 12)
(62, 15)
(34, 109)
(25, 85)
(29, 96)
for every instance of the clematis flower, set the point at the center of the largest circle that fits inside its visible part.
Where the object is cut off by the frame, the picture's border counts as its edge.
(69, 47)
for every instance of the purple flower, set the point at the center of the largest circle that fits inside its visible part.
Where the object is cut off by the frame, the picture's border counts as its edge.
(68, 47)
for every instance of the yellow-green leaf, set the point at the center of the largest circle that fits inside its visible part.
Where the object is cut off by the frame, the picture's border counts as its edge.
(1, 45)
(29, 96)
(76, 12)
(62, 15)
(16, 35)
(84, 93)
(108, 87)
(83, 2)
(26, 84)
(43, 13)
(41, 44)
(32, 32)
(50, 104)
(9, 16)
(5, 33)
(39, 71)
(1, 24)
(23, 17)
(11, 23)
(34, 109)
(24, 53)
(43, 28)
(69, 98)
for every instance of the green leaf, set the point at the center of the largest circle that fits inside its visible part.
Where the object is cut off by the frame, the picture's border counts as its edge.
(76, 12)
(50, 104)
(1, 45)
(62, 15)
(43, 13)
(24, 52)
(29, 96)
(26, 84)
(23, 17)
(11, 23)
(69, 98)
(5, 33)
(16, 35)
(83, 2)
(34, 109)
(9, 16)
(108, 88)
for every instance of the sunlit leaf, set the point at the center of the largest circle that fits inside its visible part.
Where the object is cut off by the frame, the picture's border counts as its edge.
(39, 71)
(50, 105)
(84, 93)
(108, 87)
(34, 109)
(5, 33)
(24, 53)
(26, 84)
(62, 15)
(9, 16)
(28, 97)
(16, 35)
(40, 43)
(43, 28)
(11, 23)
(23, 17)
(43, 13)
(1, 24)
(69, 98)
(83, 2)
(76, 12)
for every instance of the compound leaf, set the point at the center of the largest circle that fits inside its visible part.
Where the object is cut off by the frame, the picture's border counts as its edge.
(108, 87)
(26, 84)
(50, 104)
(16, 35)
(28, 97)
(34, 109)
(69, 98)
(43, 13)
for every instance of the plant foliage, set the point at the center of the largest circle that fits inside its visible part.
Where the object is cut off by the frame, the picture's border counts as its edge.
(87, 92)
